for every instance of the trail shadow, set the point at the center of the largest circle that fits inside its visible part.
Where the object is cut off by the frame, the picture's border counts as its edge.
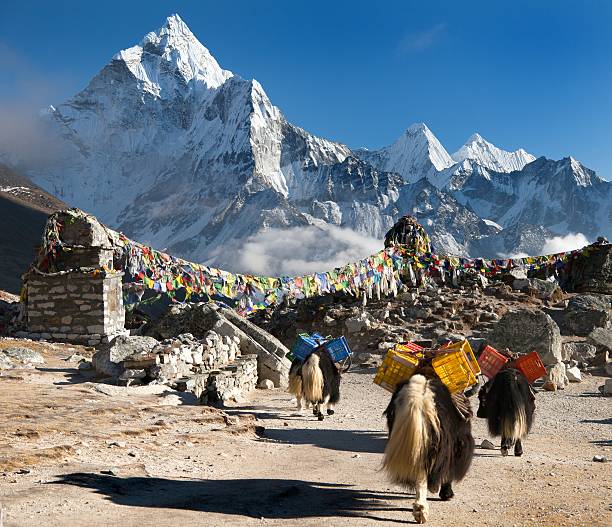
(605, 421)
(72, 375)
(602, 442)
(344, 440)
(254, 498)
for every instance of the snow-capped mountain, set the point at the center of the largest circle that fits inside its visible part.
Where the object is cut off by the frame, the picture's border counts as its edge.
(489, 156)
(417, 153)
(182, 154)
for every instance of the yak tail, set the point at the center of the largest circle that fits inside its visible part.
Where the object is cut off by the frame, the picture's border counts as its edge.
(514, 424)
(415, 425)
(312, 379)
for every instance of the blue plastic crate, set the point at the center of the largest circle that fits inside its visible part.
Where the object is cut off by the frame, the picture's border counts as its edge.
(338, 349)
(305, 344)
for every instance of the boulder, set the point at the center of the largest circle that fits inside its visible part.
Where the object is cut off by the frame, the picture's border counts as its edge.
(22, 355)
(106, 360)
(584, 313)
(591, 272)
(607, 387)
(357, 323)
(578, 351)
(546, 289)
(601, 338)
(196, 319)
(573, 374)
(523, 331)
(556, 374)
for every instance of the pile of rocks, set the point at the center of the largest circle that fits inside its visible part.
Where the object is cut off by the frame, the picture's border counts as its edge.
(211, 367)
(571, 333)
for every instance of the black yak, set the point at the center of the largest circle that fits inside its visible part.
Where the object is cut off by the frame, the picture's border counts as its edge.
(507, 402)
(430, 439)
(315, 381)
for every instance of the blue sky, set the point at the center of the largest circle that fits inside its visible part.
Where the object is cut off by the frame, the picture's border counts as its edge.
(532, 74)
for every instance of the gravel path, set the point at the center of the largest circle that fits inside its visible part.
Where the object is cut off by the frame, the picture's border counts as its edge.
(79, 453)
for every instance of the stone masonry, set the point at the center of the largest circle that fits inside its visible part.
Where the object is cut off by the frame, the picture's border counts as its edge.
(80, 299)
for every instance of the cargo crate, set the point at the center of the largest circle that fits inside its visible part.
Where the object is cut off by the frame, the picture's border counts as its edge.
(464, 346)
(491, 361)
(531, 366)
(305, 344)
(409, 347)
(395, 368)
(454, 370)
(338, 349)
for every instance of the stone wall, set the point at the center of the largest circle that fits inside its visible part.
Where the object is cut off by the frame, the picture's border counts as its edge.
(75, 306)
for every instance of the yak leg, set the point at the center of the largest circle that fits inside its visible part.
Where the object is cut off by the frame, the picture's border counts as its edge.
(505, 445)
(518, 448)
(420, 508)
(446, 491)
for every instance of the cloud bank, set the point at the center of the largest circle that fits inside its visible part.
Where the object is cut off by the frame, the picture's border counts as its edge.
(560, 244)
(297, 251)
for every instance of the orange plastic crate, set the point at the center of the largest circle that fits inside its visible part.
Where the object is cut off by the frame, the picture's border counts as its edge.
(491, 361)
(464, 346)
(531, 366)
(454, 370)
(395, 368)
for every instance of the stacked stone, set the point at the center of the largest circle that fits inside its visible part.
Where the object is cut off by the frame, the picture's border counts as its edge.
(227, 383)
(74, 306)
(77, 296)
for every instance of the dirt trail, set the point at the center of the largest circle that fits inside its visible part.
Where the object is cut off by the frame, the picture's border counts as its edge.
(74, 452)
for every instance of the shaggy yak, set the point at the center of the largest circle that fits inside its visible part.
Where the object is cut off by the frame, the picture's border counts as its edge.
(430, 439)
(315, 381)
(507, 402)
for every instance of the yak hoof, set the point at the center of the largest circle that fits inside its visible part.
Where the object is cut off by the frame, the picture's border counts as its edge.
(330, 411)
(315, 411)
(320, 417)
(504, 451)
(420, 512)
(518, 452)
(446, 493)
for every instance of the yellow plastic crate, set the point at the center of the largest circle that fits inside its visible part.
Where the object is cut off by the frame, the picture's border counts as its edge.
(395, 368)
(464, 346)
(454, 370)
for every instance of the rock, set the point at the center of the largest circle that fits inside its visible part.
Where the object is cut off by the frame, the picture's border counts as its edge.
(23, 355)
(601, 359)
(523, 331)
(573, 374)
(601, 338)
(607, 387)
(385, 346)
(5, 362)
(106, 360)
(600, 459)
(578, 351)
(546, 289)
(518, 273)
(609, 368)
(487, 445)
(85, 365)
(75, 357)
(584, 313)
(549, 386)
(358, 323)
(592, 272)
(132, 374)
(557, 375)
(521, 283)
(265, 384)
(329, 321)
(367, 359)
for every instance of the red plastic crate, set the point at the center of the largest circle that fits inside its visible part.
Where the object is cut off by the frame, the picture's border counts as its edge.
(491, 361)
(531, 366)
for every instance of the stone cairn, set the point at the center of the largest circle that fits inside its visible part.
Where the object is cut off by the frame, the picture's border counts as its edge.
(74, 294)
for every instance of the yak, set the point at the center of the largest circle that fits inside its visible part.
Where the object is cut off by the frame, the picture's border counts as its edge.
(430, 443)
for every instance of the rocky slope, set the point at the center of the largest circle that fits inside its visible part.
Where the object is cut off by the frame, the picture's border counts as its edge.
(24, 208)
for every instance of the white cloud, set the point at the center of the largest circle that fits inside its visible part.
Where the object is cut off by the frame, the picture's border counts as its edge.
(421, 40)
(296, 251)
(568, 242)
